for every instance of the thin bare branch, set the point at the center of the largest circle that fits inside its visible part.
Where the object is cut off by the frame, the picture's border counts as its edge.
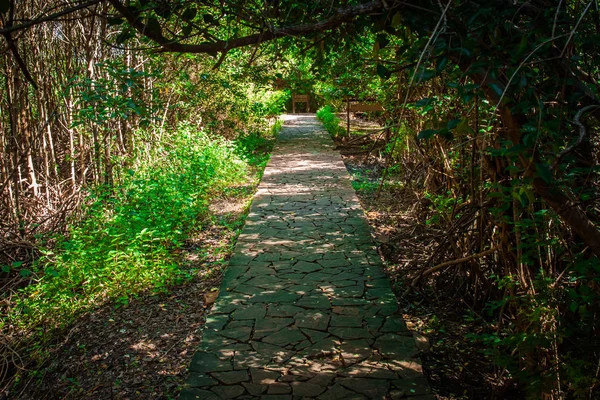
(51, 17)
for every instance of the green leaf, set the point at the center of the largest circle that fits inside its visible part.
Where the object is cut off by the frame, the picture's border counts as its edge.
(522, 46)
(529, 193)
(427, 133)
(424, 102)
(383, 72)
(462, 51)
(424, 75)
(463, 128)
(383, 41)
(573, 306)
(467, 97)
(396, 19)
(517, 197)
(453, 123)
(6, 268)
(441, 64)
(4, 6)
(153, 25)
(496, 88)
(189, 14)
(544, 172)
(25, 273)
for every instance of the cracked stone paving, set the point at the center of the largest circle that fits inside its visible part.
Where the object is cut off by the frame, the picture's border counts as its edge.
(305, 310)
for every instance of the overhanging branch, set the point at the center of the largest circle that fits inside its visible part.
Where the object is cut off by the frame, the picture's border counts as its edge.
(343, 15)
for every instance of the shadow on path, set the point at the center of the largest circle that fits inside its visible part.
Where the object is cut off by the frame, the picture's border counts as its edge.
(305, 309)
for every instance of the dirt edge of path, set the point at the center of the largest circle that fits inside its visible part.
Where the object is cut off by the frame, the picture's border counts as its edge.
(456, 367)
(142, 350)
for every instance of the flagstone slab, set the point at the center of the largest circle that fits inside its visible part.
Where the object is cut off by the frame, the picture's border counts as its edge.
(305, 310)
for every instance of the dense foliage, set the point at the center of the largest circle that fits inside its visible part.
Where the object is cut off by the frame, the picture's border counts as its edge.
(494, 123)
(330, 120)
(491, 113)
(111, 161)
(124, 242)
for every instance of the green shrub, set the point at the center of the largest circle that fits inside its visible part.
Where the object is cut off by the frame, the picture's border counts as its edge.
(125, 242)
(330, 121)
(270, 104)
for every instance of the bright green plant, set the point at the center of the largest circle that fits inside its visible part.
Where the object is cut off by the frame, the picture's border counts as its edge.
(125, 242)
(330, 120)
(270, 104)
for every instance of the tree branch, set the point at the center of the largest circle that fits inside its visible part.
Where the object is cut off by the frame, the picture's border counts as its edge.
(51, 17)
(20, 62)
(343, 15)
(443, 265)
(582, 133)
(13, 46)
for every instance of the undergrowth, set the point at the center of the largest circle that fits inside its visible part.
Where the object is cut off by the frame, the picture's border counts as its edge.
(330, 120)
(128, 239)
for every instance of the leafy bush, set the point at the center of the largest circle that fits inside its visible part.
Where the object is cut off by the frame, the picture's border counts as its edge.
(330, 120)
(270, 104)
(125, 242)
(252, 147)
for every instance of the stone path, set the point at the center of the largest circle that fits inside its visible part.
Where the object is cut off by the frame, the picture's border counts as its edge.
(305, 310)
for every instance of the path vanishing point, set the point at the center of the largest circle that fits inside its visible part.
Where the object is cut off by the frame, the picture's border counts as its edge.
(305, 310)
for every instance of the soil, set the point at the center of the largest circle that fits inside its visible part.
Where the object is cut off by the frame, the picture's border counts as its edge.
(456, 367)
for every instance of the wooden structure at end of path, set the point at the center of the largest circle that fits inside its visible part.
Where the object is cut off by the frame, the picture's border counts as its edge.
(300, 98)
(354, 105)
